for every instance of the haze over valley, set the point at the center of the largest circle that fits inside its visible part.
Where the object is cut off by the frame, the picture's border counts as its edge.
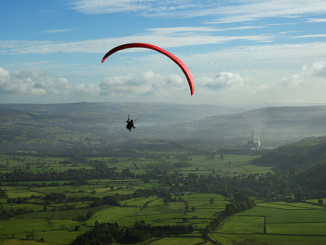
(104, 123)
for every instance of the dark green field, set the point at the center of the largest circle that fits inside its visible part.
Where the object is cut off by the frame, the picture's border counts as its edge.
(32, 216)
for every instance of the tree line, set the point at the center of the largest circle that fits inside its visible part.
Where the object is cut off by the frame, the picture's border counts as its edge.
(109, 233)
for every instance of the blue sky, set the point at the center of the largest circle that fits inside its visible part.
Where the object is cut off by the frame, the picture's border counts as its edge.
(262, 52)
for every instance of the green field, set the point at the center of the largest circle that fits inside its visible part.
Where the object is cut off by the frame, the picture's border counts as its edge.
(243, 224)
(48, 224)
(23, 242)
(163, 214)
(55, 231)
(229, 165)
(31, 217)
(178, 240)
(276, 223)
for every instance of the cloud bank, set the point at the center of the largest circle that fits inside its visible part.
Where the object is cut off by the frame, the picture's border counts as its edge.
(306, 86)
(33, 82)
(311, 76)
(39, 83)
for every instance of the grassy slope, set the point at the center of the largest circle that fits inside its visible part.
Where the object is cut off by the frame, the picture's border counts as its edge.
(308, 157)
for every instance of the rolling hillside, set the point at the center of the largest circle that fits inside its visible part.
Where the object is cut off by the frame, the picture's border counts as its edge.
(306, 157)
(94, 125)
(274, 126)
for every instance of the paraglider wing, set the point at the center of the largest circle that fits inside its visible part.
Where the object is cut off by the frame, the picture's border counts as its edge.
(160, 50)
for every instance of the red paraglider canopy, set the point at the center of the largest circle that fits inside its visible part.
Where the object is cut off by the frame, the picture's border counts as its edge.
(160, 50)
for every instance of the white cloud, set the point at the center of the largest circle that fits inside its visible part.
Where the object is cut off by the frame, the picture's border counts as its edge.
(192, 30)
(148, 83)
(316, 20)
(224, 80)
(57, 31)
(311, 76)
(4, 75)
(226, 12)
(38, 83)
(310, 36)
(255, 69)
(258, 58)
(254, 10)
(163, 37)
(174, 80)
(306, 86)
(142, 6)
(317, 69)
(32, 82)
(86, 90)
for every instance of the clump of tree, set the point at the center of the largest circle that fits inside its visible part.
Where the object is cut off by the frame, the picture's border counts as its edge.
(3, 194)
(108, 233)
(164, 230)
(101, 234)
(108, 200)
(239, 206)
(55, 197)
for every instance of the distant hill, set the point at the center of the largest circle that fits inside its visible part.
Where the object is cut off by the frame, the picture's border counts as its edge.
(300, 156)
(307, 157)
(162, 113)
(89, 126)
(36, 126)
(274, 126)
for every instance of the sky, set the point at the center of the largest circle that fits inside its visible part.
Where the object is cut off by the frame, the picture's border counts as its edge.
(262, 52)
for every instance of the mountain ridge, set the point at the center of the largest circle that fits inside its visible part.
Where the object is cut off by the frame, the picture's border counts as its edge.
(216, 125)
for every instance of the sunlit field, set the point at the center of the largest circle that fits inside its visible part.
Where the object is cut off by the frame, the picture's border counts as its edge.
(276, 223)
